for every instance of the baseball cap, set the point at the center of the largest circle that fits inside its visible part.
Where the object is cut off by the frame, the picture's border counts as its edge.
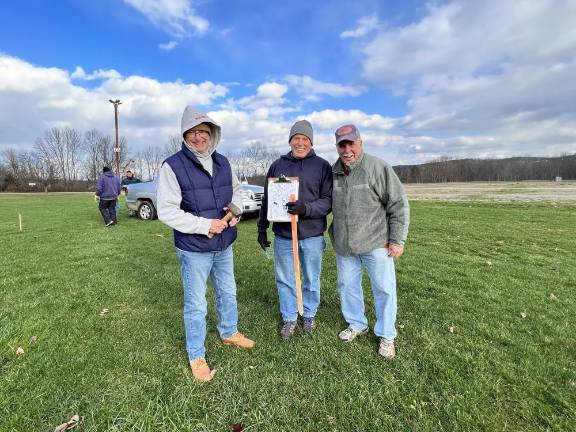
(347, 133)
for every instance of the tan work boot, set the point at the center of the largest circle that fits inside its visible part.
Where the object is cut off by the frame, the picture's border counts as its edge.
(239, 340)
(201, 371)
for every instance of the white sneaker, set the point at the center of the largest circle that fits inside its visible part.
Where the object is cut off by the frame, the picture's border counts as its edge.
(387, 349)
(349, 334)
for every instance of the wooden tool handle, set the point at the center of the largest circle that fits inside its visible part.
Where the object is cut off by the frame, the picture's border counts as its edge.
(226, 219)
(296, 259)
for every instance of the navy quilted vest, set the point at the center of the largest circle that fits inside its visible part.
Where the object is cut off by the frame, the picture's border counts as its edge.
(203, 195)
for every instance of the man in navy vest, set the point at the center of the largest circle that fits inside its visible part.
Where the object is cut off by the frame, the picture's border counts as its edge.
(196, 185)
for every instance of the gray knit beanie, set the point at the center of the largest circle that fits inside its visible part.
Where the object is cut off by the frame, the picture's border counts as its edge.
(302, 127)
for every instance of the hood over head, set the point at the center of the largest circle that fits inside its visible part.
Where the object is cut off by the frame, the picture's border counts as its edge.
(191, 118)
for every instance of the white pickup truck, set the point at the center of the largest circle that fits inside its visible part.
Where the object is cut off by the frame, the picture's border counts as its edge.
(141, 199)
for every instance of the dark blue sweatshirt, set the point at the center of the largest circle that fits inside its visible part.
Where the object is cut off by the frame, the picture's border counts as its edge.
(108, 186)
(315, 191)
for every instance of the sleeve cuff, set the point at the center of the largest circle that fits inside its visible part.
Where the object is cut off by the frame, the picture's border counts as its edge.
(206, 224)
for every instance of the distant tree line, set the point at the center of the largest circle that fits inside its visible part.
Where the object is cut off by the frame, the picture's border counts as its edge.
(447, 169)
(64, 159)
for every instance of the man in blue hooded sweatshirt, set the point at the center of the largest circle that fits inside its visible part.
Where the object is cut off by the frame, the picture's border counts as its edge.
(196, 185)
(107, 191)
(314, 203)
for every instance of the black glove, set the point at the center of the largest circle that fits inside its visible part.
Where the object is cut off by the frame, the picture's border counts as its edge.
(263, 240)
(296, 207)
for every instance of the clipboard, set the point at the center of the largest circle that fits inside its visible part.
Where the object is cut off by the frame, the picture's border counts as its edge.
(280, 190)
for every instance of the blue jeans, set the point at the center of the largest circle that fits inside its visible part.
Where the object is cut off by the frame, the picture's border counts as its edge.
(195, 268)
(382, 275)
(310, 251)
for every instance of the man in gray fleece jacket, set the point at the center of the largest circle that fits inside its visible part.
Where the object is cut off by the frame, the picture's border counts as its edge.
(370, 225)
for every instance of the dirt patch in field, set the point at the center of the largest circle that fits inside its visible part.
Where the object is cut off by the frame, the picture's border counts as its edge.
(495, 191)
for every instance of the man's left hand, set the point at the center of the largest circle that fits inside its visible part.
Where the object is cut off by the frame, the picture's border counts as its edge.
(395, 250)
(296, 207)
(234, 219)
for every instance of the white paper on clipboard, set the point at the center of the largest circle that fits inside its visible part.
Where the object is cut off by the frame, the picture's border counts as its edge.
(278, 195)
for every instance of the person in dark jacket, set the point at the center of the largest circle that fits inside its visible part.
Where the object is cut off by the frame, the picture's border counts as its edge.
(129, 179)
(196, 185)
(107, 191)
(313, 204)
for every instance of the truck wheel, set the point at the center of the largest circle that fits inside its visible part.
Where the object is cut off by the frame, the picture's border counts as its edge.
(146, 211)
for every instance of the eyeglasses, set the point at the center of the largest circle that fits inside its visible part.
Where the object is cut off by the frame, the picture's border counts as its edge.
(198, 132)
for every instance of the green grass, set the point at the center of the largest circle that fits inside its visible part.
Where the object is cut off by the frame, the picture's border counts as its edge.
(473, 266)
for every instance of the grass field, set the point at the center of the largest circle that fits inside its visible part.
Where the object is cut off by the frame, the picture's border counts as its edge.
(485, 269)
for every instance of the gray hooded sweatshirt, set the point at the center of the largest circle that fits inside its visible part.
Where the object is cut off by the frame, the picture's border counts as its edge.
(169, 195)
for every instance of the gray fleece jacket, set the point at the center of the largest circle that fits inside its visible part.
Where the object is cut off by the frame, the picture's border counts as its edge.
(369, 207)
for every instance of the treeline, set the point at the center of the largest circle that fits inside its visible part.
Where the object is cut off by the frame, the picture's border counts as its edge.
(64, 159)
(511, 169)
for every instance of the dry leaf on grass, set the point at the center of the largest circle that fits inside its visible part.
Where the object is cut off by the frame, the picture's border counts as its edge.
(104, 312)
(552, 297)
(523, 315)
(70, 424)
(33, 339)
(451, 329)
(19, 351)
(160, 235)
(237, 427)
(401, 326)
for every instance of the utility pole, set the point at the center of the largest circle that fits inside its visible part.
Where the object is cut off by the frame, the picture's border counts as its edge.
(117, 148)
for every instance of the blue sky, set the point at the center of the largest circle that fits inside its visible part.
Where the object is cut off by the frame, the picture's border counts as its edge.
(421, 80)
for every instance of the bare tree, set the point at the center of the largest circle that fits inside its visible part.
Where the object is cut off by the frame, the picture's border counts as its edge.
(61, 148)
(72, 148)
(173, 145)
(93, 161)
(152, 160)
(13, 169)
(253, 160)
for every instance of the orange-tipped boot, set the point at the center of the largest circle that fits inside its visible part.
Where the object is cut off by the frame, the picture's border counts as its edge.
(239, 340)
(201, 371)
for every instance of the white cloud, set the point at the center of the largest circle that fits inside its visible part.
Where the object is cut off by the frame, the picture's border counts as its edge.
(80, 74)
(168, 46)
(33, 99)
(176, 17)
(486, 75)
(269, 96)
(311, 89)
(366, 25)
(240, 128)
(333, 119)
